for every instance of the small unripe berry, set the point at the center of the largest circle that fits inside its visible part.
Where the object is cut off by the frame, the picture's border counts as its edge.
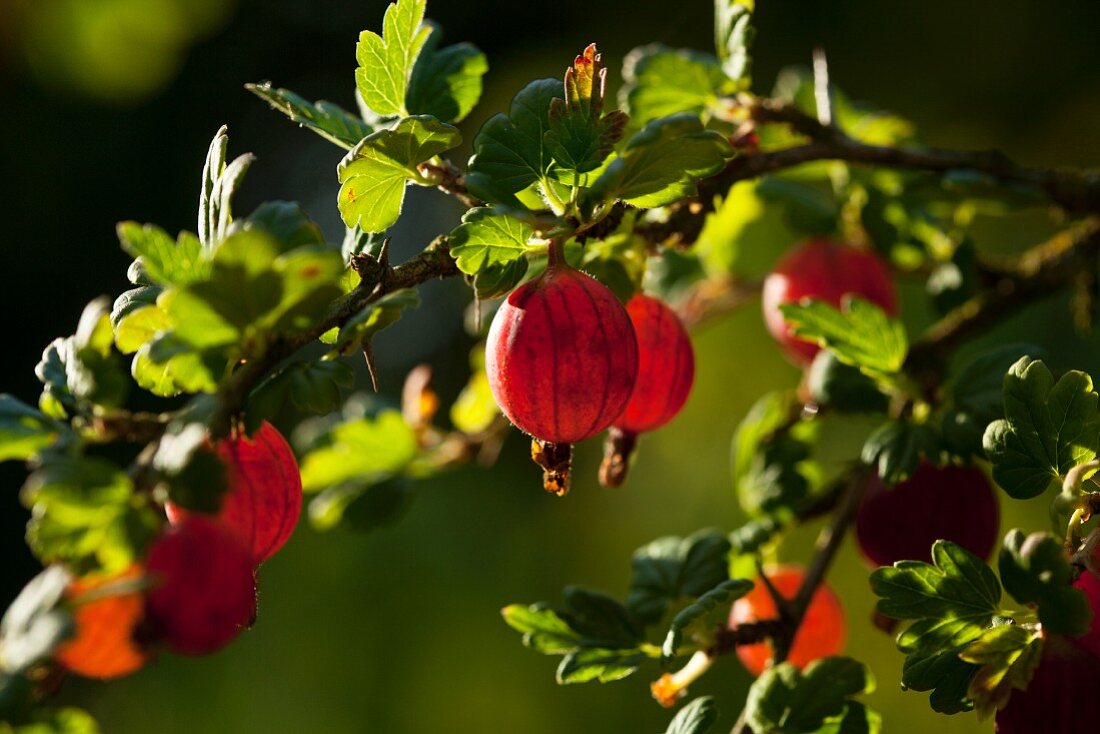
(666, 371)
(937, 503)
(102, 645)
(561, 355)
(264, 496)
(820, 635)
(823, 270)
(205, 591)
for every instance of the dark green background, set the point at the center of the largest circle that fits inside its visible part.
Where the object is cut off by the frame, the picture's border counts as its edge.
(108, 106)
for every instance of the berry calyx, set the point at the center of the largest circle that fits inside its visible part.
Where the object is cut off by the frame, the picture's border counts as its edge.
(264, 497)
(666, 371)
(824, 270)
(820, 635)
(204, 592)
(103, 645)
(937, 503)
(561, 355)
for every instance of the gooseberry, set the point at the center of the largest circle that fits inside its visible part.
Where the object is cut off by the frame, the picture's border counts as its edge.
(103, 645)
(666, 370)
(821, 633)
(955, 503)
(204, 592)
(822, 269)
(561, 355)
(1090, 585)
(264, 496)
(1061, 696)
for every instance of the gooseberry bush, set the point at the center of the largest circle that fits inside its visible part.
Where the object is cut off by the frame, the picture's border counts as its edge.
(595, 239)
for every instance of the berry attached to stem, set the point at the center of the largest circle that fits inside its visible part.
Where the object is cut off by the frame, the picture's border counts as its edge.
(821, 633)
(666, 371)
(103, 644)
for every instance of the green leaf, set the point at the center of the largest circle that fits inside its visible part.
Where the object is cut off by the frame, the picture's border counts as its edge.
(219, 183)
(384, 312)
(165, 261)
(1049, 428)
(330, 121)
(581, 136)
(859, 333)
(978, 386)
(602, 621)
(82, 367)
(896, 447)
(24, 431)
(286, 221)
(843, 388)
(671, 568)
(945, 674)
(733, 34)
(659, 165)
(1034, 570)
(139, 327)
(695, 718)
(475, 409)
(789, 701)
(386, 61)
(66, 720)
(133, 299)
(698, 620)
(166, 366)
(1008, 656)
(487, 240)
(310, 386)
(84, 511)
(374, 173)
(595, 664)
(35, 624)
(958, 587)
(363, 450)
(542, 628)
(446, 82)
(509, 150)
(660, 81)
(361, 507)
(254, 292)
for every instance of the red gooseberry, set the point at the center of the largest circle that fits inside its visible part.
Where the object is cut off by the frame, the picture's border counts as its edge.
(821, 633)
(561, 359)
(1061, 696)
(204, 590)
(955, 503)
(666, 371)
(825, 270)
(102, 645)
(264, 496)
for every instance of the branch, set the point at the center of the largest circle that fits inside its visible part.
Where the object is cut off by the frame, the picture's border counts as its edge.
(1077, 192)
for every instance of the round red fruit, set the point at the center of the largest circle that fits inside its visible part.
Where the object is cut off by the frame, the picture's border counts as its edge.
(666, 366)
(205, 591)
(264, 496)
(950, 503)
(102, 645)
(821, 269)
(561, 355)
(820, 635)
(1061, 696)
(1090, 584)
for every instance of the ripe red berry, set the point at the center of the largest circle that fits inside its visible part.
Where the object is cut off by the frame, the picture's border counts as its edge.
(264, 497)
(823, 270)
(205, 591)
(821, 633)
(561, 355)
(666, 371)
(102, 645)
(1089, 584)
(1062, 695)
(949, 503)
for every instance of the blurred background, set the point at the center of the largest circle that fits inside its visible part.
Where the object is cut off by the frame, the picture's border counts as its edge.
(108, 106)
